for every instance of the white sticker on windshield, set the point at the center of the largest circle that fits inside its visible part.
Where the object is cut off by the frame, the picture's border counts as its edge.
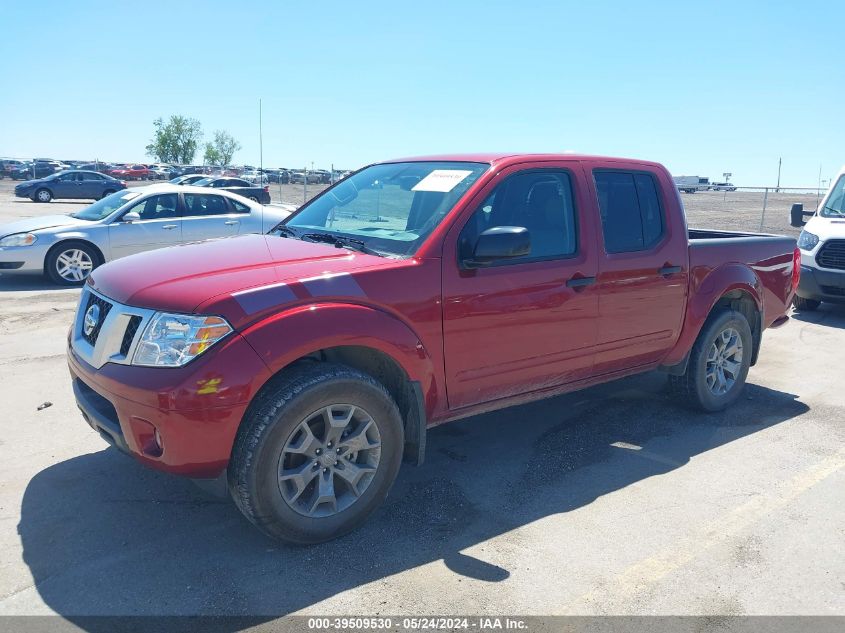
(442, 180)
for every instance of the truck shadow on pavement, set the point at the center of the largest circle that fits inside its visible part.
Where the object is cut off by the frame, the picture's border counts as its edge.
(104, 536)
(827, 314)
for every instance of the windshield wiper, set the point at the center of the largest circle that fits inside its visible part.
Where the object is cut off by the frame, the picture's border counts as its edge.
(284, 231)
(836, 211)
(341, 241)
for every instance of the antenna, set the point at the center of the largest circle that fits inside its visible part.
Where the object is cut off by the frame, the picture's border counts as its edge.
(260, 145)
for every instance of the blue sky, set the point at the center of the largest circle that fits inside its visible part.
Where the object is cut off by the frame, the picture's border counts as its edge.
(701, 87)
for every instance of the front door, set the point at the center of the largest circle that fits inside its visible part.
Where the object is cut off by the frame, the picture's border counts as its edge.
(528, 323)
(159, 226)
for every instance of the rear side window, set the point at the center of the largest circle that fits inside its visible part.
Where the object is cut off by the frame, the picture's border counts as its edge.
(239, 207)
(202, 204)
(631, 215)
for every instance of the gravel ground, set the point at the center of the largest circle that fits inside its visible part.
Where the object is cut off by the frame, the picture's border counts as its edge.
(614, 500)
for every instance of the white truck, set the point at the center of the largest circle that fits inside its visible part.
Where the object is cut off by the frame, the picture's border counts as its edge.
(691, 184)
(822, 245)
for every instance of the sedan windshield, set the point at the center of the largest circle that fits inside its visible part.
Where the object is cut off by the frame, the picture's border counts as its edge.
(834, 206)
(106, 206)
(389, 208)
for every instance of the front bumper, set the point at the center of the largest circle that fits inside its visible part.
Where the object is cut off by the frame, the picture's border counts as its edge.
(23, 259)
(822, 285)
(178, 420)
(24, 193)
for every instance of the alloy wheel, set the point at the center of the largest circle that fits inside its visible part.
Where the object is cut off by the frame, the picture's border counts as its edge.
(724, 361)
(329, 460)
(74, 265)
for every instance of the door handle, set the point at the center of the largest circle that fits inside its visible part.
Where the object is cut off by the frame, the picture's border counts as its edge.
(669, 270)
(231, 222)
(581, 282)
(167, 227)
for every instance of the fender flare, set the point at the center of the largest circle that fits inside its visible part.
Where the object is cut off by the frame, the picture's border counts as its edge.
(705, 293)
(304, 330)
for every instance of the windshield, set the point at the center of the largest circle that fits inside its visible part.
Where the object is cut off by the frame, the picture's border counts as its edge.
(106, 206)
(834, 205)
(391, 208)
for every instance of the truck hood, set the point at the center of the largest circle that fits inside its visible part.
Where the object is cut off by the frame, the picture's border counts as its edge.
(39, 223)
(183, 278)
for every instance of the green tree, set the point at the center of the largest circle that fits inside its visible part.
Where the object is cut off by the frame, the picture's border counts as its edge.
(176, 140)
(222, 149)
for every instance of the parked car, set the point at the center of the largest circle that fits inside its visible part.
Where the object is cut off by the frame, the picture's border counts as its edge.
(75, 184)
(299, 177)
(7, 165)
(131, 172)
(238, 186)
(32, 170)
(188, 179)
(822, 244)
(68, 247)
(691, 184)
(300, 367)
(278, 176)
(722, 186)
(160, 172)
(255, 177)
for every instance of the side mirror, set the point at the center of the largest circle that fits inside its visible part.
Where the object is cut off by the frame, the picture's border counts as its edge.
(131, 216)
(796, 215)
(499, 242)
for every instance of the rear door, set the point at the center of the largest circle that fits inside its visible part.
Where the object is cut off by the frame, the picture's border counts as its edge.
(159, 226)
(528, 323)
(91, 185)
(644, 266)
(206, 216)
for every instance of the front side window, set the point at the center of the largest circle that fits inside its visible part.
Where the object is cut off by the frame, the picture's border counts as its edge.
(834, 206)
(540, 201)
(200, 204)
(631, 215)
(391, 207)
(156, 207)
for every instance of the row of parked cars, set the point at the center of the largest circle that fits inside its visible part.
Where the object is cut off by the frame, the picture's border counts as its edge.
(18, 169)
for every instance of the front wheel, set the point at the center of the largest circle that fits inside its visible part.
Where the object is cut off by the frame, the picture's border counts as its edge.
(316, 454)
(70, 263)
(718, 363)
(43, 195)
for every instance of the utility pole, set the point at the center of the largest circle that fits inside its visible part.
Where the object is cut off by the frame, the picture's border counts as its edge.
(260, 147)
(777, 189)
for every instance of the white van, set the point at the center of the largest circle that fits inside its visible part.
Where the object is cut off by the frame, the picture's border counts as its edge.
(822, 244)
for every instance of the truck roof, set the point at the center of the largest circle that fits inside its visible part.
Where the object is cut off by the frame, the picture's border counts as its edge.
(503, 159)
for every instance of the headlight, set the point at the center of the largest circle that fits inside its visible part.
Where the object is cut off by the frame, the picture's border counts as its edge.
(807, 241)
(171, 340)
(19, 239)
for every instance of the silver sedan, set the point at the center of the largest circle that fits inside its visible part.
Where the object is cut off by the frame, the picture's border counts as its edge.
(68, 247)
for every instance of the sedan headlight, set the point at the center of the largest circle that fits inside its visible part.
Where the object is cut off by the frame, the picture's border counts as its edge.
(807, 241)
(19, 239)
(171, 340)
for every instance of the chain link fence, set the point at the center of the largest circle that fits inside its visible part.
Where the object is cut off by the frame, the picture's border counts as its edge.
(757, 209)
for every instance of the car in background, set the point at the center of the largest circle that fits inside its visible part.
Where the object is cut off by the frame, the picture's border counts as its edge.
(822, 245)
(256, 193)
(7, 165)
(278, 176)
(255, 177)
(73, 184)
(32, 170)
(188, 179)
(299, 178)
(160, 172)
(131, 172)
(68, 247)
(722, 186)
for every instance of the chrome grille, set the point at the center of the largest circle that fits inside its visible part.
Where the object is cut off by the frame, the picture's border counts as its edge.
(114, 338)
(832, 255)
(104, 306)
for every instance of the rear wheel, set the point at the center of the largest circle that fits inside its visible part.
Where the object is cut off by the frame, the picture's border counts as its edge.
(70, 263)
(253, 198)
(718, 363)
(107, 192)
(805, 305)
(316, 454)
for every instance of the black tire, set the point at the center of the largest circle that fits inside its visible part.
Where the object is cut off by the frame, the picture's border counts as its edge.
(107, 192)
(43, 195)
(273, 419)
(253, 198)
(692, 387)
(805, 305)
(50, 262)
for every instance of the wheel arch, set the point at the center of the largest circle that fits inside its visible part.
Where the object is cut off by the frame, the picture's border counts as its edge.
(732, 286)
(79, 240)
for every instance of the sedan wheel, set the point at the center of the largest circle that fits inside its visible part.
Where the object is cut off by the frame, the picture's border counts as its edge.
(43, 195)
(71, 264)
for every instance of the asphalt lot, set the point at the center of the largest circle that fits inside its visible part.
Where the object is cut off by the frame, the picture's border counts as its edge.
(614, 500)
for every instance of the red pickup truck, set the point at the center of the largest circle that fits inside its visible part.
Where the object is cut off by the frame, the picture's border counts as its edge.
(303, 365)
